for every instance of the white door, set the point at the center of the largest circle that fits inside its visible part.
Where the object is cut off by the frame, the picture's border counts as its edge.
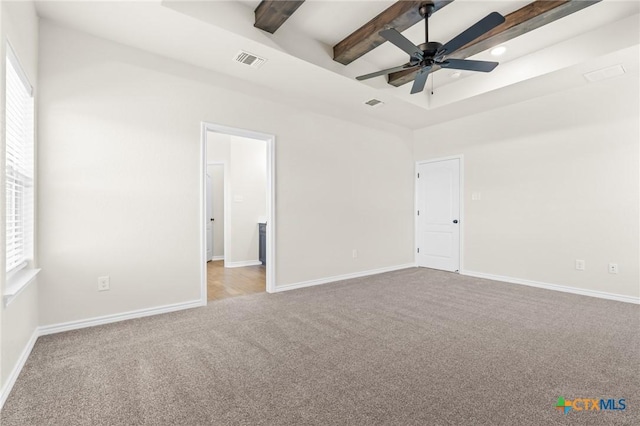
(209, 218)
(217, 192)
(438, 228)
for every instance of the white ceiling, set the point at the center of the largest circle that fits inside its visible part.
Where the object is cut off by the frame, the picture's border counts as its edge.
(208, 34)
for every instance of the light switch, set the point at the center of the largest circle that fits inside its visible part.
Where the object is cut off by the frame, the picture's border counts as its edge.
(476, 196)
(238, 198)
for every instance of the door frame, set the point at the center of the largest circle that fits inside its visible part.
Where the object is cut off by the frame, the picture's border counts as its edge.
(460, 158)
(225, 195)
(270, 140)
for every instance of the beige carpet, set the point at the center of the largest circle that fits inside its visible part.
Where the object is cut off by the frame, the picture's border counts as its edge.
(413, 347)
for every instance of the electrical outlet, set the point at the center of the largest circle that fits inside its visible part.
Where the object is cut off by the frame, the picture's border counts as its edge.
(354, 253)
(613, 268)
(580, 265)
(103, 283)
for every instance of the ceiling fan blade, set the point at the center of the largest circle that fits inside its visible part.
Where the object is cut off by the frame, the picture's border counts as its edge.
(421, 80)
(402, 42)
(484, 25)
(384, 72)
(469, 65)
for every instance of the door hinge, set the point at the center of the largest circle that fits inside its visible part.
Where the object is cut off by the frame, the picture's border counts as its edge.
(418, 212)
(418, 175)
(418, 249)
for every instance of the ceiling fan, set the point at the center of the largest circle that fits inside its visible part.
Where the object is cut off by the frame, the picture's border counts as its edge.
(430, 53)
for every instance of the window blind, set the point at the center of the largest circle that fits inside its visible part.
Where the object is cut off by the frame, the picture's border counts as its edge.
(19, 116)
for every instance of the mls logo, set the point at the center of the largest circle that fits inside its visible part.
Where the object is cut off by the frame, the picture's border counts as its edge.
(563, 405)
(590, 404)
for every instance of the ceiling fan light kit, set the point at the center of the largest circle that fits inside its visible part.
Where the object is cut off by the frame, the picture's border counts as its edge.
(431, 53)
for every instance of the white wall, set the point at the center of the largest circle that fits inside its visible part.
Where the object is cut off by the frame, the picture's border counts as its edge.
(248, 201)
(18, 321)
(120, 145)
(246, 162)
(559, 181)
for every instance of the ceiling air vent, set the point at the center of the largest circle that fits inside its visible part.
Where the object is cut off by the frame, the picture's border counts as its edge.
(604, 73)
(374, 103)
(250, 59)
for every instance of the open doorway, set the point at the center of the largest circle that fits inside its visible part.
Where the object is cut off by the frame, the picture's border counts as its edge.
(238, 212)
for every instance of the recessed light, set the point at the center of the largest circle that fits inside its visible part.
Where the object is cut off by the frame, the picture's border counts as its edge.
(497, 51)
(456, 74)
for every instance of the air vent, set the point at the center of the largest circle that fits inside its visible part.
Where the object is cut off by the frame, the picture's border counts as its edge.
(254, 61)
(374, 103)
(604, 73)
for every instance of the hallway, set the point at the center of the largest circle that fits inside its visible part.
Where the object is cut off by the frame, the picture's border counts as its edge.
(230, 282)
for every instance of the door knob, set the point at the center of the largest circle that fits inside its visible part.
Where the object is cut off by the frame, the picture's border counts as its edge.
(455, 221)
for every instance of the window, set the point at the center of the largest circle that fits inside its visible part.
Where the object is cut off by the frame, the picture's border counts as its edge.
(19, 165)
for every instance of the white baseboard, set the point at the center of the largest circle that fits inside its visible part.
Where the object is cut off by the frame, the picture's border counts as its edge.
(107, 319)
(242, 263)
(556, 287)
(319, 281)
(11, 380)
(214, 258)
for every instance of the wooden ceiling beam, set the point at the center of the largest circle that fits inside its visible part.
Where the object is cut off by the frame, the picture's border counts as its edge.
(400, 15)
(271, 14)
(528, 18)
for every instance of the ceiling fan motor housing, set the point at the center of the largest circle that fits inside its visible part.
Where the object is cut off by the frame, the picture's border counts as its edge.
(430, 49)
(429, 52)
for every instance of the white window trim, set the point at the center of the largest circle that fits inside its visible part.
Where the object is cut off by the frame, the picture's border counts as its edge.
(11, 55)
(17, 282)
